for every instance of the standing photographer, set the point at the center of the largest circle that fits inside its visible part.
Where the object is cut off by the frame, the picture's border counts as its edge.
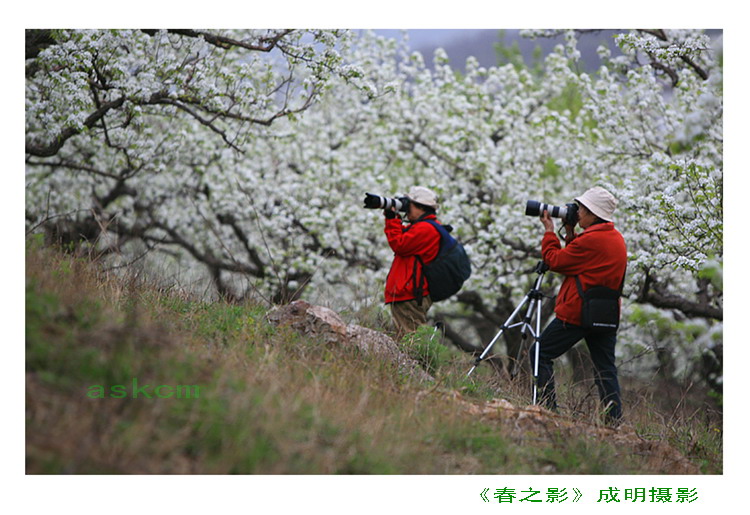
(406, 288)
(598, 257)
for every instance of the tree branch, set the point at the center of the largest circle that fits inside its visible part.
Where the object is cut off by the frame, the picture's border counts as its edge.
(661, 35)
(224, 42)
(69, 132)
(689, 308)
(651, 293)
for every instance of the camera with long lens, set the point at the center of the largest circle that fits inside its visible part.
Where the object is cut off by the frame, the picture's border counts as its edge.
(568, 213)
(373, 201)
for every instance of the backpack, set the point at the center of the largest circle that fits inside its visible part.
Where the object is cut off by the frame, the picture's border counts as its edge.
(447, 272)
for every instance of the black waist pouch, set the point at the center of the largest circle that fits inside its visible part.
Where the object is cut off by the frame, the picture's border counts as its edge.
(601, 307)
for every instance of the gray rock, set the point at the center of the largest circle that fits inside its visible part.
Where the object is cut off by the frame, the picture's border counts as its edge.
(319, 321)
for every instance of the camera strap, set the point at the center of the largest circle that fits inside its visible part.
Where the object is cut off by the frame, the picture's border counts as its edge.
(418, 284)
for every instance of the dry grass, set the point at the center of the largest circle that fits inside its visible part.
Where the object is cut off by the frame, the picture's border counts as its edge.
(272, 401)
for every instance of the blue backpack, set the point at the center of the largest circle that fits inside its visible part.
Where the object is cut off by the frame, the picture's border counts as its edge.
(447, 272)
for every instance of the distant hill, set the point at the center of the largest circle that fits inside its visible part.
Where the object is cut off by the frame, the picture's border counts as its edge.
(481, 44)
(459, 44)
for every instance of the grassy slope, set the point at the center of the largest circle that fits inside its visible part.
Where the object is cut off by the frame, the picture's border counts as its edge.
(271, 401)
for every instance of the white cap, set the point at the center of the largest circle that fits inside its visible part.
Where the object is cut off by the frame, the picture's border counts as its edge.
(600, 202)
(424, 196)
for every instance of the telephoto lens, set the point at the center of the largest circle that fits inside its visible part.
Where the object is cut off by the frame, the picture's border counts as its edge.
(373, 201)
(568, 213)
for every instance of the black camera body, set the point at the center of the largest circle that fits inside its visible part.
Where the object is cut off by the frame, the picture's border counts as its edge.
(373, 201)
(568, 214)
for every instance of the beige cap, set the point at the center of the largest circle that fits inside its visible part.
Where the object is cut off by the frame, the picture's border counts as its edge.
(600, 202)
(424, 196)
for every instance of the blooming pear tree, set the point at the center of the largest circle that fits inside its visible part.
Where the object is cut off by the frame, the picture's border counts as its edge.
(244, 156)
(128, 132)
(490, 139)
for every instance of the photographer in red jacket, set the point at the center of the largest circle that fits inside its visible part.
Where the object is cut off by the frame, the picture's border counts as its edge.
(406, 288)
(598, 257)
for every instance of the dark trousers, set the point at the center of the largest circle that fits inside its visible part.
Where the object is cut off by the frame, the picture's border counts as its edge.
(557, 339)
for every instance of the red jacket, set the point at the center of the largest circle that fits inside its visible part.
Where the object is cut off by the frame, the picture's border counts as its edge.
(598, 256)
(407, 242)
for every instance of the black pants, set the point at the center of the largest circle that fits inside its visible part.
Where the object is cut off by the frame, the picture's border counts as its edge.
(557, 339)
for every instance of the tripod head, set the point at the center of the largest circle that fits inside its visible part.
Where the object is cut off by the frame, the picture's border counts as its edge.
(541, 267)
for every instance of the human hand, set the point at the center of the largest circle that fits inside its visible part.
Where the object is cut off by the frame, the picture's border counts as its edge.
(390, 213)
(547, 221)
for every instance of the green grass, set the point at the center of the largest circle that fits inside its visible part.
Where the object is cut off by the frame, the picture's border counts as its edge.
(272, 401)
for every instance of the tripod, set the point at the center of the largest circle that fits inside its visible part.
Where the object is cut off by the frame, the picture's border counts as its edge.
(534, 299)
